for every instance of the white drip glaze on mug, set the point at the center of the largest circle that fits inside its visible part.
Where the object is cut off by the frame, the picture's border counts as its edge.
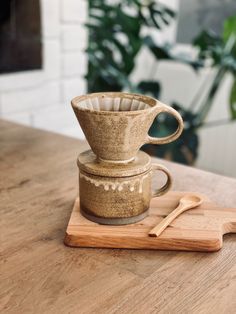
(119, 186)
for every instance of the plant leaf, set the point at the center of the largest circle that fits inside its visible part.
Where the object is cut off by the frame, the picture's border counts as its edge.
(149, 87)
(232, 100)
(159, 52)
(229, 32)
(229, 27)
(210, 45)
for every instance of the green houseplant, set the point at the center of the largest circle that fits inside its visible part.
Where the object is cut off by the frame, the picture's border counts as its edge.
(115, 39)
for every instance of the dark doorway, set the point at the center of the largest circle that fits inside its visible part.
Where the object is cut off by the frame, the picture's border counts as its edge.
(20, 36)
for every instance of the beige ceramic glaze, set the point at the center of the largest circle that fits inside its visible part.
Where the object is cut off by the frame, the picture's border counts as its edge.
(88, 162)
(116, 125)
(117, 200)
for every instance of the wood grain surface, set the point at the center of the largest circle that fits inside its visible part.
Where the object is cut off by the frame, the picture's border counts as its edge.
(39, 274)
(199, 229)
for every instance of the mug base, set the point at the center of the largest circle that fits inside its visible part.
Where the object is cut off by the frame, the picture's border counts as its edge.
(114, 221)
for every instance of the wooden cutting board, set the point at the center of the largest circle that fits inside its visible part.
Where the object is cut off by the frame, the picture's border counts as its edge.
(199, 229)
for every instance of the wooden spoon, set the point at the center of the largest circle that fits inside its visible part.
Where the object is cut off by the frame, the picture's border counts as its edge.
(186, 202)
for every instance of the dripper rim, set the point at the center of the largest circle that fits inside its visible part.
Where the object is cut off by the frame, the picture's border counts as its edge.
(150, 101)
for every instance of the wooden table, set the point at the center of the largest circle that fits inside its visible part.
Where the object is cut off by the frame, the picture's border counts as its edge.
(41, 275)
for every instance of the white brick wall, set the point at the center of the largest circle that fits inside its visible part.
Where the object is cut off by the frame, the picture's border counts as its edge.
(50, 17)
(41, 98)
(30, 99)
(74, 11)
(73, 37)
(74, 63)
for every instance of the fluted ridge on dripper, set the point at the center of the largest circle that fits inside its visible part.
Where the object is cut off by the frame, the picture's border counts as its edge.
(112, 104)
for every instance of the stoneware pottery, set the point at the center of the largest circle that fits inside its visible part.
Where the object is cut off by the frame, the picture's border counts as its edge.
(116, 124)
(117, 194)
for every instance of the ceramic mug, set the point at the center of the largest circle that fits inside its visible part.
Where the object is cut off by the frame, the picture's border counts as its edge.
(117, 200)
(116, 124)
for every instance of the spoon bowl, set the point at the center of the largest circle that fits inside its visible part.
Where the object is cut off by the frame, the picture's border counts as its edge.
(191, 199)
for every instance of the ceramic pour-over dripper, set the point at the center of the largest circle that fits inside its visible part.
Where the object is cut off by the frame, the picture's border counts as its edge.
(116, 124)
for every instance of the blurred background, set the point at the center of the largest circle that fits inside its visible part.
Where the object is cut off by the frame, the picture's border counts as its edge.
(182, 52)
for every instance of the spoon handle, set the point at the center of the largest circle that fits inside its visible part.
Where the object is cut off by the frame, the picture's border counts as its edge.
(157, 230)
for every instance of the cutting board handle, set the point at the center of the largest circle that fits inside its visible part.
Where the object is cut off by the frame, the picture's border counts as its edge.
(229, 227)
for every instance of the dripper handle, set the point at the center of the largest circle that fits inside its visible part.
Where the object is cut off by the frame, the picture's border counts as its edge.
(171, 137)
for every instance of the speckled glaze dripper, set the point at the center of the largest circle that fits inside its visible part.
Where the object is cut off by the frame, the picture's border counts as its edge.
(116, 124)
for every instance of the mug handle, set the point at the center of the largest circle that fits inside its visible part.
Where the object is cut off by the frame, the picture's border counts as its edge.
(165, 188)
(171, 137)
